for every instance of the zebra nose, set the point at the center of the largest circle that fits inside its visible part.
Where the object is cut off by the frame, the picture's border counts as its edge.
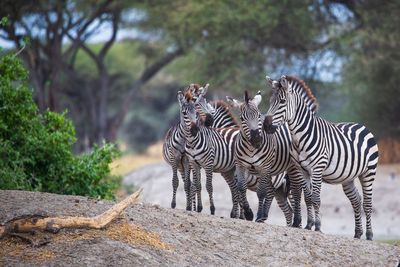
(268, 120)
(255, 138)
(194, 129)
(268, 127)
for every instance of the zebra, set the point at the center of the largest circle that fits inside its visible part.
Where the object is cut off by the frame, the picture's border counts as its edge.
(265, 156)
(216, 115)
(209, 148)
(336, 153)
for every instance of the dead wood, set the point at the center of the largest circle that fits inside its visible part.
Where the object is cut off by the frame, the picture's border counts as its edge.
(37, 222)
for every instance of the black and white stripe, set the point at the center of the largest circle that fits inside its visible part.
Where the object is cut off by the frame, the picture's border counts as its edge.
(210, 149)
(174, 142)
(336, 153)
(264, 156)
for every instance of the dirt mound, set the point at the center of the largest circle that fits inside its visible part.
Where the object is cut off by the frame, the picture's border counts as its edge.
(150, 235)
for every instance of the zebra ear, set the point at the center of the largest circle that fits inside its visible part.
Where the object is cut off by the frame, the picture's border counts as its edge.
(203, 90)
(180, 98)
(257, 98)
(246, 97)
(285, 83)
(233, 102)
(269, 80)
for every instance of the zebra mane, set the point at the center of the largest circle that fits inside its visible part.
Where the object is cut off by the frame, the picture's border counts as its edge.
(193, 88)
(302, 88)
(188, 95)
(225, 108)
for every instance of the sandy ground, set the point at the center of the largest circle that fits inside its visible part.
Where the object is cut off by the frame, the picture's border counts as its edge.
(336, 210)
(149, 235)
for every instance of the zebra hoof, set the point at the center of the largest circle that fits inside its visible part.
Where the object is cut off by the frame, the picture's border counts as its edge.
(358, 234)
(173, 205)
(248, 214)
(309, 225)
(296, 223)
(199, 208)
(189, 208)
(370, 235)
(212, 210)
(261, 220)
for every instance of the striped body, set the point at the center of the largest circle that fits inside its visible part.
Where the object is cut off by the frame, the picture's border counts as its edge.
(212, 150)
(208, 148)
(336, 153)
(174, 143)
(264, 156)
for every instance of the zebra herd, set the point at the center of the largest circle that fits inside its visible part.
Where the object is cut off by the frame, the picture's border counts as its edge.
(283, 153)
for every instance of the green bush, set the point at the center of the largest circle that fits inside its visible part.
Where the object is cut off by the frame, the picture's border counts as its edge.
(36, 149)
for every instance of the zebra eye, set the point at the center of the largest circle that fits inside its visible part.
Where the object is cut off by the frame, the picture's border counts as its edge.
(282, 101)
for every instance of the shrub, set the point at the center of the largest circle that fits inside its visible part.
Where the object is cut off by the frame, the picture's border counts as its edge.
(36, 149)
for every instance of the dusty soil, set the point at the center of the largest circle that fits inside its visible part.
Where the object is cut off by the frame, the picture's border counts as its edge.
(337, 213)
(150, 235)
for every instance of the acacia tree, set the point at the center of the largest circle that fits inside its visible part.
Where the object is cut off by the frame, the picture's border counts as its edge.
(235, 44)
(57, 31)
(239, 41)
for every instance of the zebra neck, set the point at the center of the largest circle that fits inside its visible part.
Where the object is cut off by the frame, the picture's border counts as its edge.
(190, 138)
(246, 143)
(180, 133)
(302, 124)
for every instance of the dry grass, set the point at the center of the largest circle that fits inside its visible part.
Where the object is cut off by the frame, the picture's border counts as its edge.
(16, 248)
(134, 235)
(389, 150)
(119, 230)
(130, 162)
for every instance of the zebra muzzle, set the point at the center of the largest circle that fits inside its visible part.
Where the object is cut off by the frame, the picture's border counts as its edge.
(194, 129)
(209, 120)
(268, 127)
(255, 138)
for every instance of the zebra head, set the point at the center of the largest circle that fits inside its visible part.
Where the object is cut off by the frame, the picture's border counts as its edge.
(203, 107)
(250, 117)
(189, 115)
(279, 110)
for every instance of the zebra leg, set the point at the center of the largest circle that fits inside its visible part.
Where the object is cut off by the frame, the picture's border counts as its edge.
(187, 183)
(241, 213)
(352, 194)
(230, 180)
(175, 184)
(196, 189)
(366, 184)
(209, 186)
(316, 199)
(295, 178)
(281, 198)
(242, 189)
(269, 196)
(264, 187)
(309, 204)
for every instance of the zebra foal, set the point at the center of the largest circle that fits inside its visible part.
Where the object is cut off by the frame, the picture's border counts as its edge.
(210, 149)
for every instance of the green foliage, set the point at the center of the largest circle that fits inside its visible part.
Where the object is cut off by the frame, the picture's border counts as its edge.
(371, 73)
(236, 42)
(35, 149)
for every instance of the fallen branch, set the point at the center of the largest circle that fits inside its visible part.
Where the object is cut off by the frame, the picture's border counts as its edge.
(54, 224)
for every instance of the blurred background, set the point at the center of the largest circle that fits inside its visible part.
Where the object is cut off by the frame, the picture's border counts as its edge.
(113, 68)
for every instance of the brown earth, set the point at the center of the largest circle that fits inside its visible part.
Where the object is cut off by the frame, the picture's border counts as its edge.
(150, 235)
(337, 213)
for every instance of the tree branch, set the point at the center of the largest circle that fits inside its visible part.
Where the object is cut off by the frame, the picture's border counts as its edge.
(54, 224)
(152, 70)
(109, 43)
